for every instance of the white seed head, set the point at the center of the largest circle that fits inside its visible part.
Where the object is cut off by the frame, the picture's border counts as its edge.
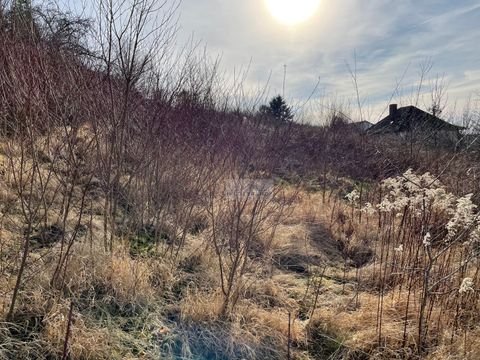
(399, 249)
(466, 286)
(426, 240)
(353, 196)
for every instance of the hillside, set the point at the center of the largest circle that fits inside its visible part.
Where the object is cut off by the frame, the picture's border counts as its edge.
(145, 214)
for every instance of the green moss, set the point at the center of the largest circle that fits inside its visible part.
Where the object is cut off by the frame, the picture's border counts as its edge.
(144, 242)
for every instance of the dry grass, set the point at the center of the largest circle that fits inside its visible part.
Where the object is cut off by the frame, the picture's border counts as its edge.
(198, 306)
(357, 324)
(138, 307)
(86, 341)
(462, 347)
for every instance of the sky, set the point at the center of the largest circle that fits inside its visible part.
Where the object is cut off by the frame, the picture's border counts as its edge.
(387, 40)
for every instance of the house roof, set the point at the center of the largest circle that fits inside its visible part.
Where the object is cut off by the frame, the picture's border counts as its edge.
(410, 118)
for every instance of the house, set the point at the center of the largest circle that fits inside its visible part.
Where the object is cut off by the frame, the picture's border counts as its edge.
(342, 121)
(414, 124)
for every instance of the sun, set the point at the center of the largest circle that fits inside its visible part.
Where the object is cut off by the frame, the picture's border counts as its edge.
(292, 12)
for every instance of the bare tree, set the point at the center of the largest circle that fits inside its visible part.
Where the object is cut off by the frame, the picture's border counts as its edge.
(131, 37)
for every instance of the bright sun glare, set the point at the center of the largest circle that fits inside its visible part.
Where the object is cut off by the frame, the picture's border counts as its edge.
(292, 12)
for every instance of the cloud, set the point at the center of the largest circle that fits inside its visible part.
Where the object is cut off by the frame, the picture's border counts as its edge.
(388, 38)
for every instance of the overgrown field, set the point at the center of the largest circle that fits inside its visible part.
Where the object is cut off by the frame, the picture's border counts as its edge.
(148, 210)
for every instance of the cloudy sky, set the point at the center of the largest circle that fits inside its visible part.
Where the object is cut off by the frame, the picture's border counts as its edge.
(389, 40)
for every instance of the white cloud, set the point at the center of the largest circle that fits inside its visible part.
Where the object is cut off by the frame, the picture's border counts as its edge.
(388, 37)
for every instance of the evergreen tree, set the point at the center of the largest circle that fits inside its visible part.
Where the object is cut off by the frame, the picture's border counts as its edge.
(277, 109)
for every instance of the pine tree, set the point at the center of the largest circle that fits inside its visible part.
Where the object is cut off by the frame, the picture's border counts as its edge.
(277, 109)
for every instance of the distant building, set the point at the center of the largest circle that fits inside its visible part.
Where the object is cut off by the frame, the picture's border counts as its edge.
(413, 124)
(342, 121)
(362, 126)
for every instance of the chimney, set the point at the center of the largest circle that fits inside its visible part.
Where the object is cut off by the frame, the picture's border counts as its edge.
(393, 109)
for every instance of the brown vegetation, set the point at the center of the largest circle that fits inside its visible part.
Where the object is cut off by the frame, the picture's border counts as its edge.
(145, 213)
